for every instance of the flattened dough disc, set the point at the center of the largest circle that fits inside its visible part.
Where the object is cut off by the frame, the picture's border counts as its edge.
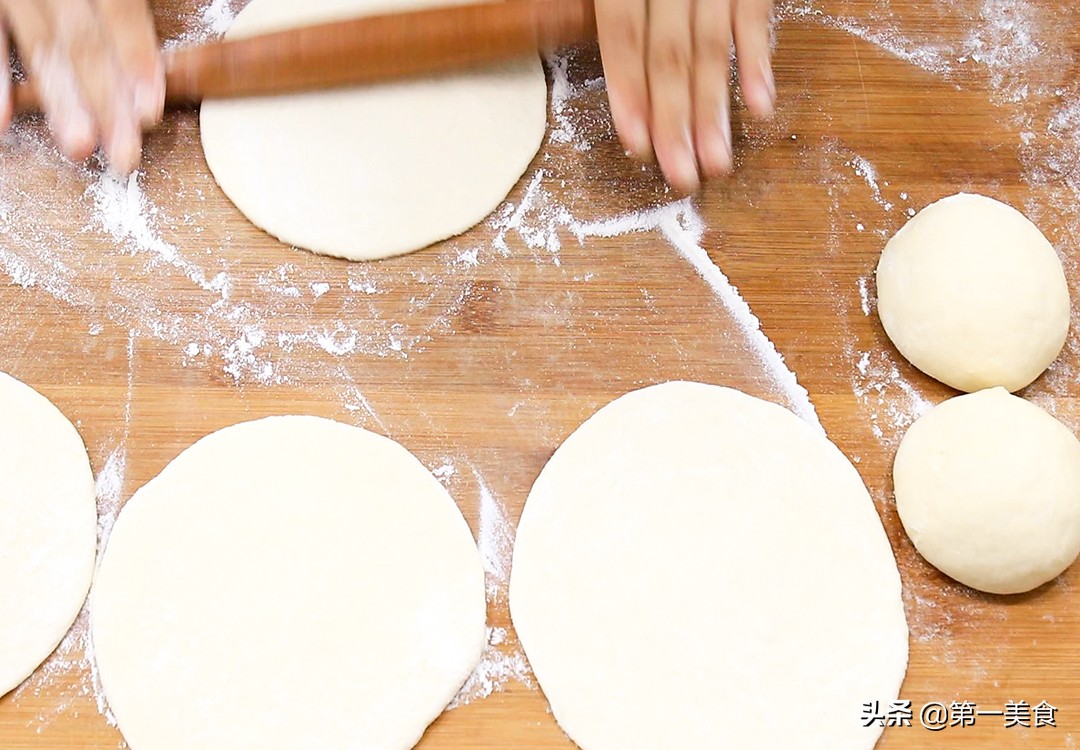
(696, 568)
(374, 171)
(48, 529)
(287, 583)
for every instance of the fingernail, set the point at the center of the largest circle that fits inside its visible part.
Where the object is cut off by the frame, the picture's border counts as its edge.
(71, 122)
(144, 101)
(717, 156)
(770, 82)
(123, 149)
(75, 130)
(5, 103)
(684, 172)
(150, 98)
(637, 138)
(725, 126)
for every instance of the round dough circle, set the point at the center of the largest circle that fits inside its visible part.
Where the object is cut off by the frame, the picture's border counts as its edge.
(48, 532)
(290, 582)
(374, 171)
(988, 489)
(696, 568)
(973, 294)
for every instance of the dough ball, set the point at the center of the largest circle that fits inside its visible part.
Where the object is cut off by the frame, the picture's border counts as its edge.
(988, 489)
(48, 529)
(378, 170)
(287, 583)
(973, 294)
(697, 568)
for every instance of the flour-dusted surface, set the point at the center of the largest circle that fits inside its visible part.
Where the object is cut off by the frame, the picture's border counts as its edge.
(503, 662)
(156, 314)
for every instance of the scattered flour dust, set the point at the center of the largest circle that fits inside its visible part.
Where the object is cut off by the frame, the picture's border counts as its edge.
(503, 660)
(186, 296)
(888, 401)
(538, 217)
(867, 297)
(1023, 55)
(891, 402)
(445, 471)
(496, 541)
(70, 675)
(575, 120)
(934, 56)
(122, 210)
(864, 169)
(683, 228)
(218, 16)
(212, 21)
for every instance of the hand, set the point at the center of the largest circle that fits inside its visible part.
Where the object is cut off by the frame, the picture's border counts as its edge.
(667, 64)
(97, 70)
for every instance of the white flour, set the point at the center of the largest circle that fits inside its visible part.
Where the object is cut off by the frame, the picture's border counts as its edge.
(578, 118)
(445, 472)
(69, 676)
(194, 298)
(931, 56)
(866, 171)
(212, 21)
(891, 402)
(1023, 57)
(496, 541)
(867, 295)
(503, 661)
(70, 673)
(187, 295)
(887, 400)
(498, 668)
(538, 219)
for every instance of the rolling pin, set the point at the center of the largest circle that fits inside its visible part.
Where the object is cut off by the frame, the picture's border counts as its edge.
(366, 50)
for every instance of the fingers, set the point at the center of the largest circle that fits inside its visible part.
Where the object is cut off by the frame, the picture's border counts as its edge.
(669, 63)
(96, 69)
(50, 70)
(130, 26)
(712, 71)
(6, 101)
(751, 20)
(668, 67)
(621, 26)
(104, 90)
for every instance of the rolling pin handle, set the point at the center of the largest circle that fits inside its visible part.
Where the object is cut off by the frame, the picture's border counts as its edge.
(562, 22)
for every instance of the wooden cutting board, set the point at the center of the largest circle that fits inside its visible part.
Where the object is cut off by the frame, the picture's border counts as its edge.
(154, 315)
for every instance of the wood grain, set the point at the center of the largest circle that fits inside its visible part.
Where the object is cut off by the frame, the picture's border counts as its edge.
(514, 353)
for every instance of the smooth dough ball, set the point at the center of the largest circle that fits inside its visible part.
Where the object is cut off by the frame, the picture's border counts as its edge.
(379, 170)
(988, 489)
(697, 568)
(973, 294)
(48, 529)
(287, 583)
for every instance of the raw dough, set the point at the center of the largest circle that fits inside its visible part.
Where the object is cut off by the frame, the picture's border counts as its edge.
(48, 529)
(697, 568)
(287, 583)
(973, 294)
(375, 171)
(988, 489)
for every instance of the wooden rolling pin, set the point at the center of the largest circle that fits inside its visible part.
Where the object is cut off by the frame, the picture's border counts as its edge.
(366, 50)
